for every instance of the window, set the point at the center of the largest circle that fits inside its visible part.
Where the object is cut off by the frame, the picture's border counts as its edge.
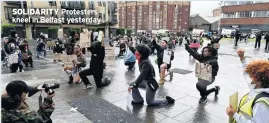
(144, 13)
(99, 3)
(244, 14)
(104, 3)
(186, 9)
(230, 3)
(245, 2)
(8, 12)
(158, 6)
(261, 14)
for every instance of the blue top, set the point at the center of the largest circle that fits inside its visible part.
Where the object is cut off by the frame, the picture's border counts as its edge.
(129, 57)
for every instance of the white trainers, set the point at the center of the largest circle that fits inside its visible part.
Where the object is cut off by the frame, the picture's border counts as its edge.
(87, 86)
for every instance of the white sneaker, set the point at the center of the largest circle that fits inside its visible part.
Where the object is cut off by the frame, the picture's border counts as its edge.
(87, 86)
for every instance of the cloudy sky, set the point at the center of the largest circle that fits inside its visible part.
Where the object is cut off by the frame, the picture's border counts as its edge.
(203, 8)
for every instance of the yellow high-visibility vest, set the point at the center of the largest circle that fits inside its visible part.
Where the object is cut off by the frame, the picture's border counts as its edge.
(246, 105)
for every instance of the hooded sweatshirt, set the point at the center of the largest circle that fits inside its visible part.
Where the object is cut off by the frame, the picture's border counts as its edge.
(260, 110)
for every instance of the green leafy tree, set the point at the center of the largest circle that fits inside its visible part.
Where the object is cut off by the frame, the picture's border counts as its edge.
(129, 31)
(120, 31)
(7, 28)
(53, 32)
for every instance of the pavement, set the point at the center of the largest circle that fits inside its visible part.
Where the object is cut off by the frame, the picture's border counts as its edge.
(112, 103)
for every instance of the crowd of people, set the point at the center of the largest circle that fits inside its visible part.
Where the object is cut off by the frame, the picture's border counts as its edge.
(253, 107)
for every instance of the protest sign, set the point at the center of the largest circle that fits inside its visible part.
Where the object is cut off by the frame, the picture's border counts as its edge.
(167, 56)
(68, 60)
(58, 56)
(100, 35)
(195, 45)
(13, 58)
(24, 56)
(50, 43)
(110, 55)
(85, 39)
(216, 45)
(203, 71)
(233, 101)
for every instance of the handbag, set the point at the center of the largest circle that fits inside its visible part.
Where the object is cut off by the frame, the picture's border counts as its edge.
(152, 83)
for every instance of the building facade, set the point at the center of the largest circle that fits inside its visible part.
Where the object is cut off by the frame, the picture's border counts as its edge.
(246, 15)
(107, 11)
(155, 15)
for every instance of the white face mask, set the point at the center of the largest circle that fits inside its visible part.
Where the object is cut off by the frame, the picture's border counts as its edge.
(251, 86)
(16, 35)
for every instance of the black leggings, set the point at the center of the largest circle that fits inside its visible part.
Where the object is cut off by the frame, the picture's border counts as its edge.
(201, 86)
(27, 61)
(14, 67)
(96, 75)
(130, 64)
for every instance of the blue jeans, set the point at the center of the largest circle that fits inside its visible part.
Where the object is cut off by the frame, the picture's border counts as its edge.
(150, 95)
(39, 53)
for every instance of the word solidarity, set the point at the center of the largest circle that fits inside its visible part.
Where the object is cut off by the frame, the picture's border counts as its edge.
(52, 12)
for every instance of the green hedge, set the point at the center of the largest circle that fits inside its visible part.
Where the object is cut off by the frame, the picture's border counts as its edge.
(7, 28)
(120, 31)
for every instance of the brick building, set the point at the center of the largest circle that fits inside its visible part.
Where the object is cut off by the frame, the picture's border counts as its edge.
(155, 15)
(246, 15)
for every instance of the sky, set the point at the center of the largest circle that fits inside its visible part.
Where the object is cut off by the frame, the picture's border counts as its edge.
(204, 8)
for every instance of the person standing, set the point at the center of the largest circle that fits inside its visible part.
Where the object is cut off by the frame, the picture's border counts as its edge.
(254, 106)
(237, 37)
(146, 79)
(208, 56)
(266, 37)
(258, 40)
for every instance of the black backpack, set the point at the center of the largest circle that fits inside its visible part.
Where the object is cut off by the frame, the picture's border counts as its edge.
(263, 94)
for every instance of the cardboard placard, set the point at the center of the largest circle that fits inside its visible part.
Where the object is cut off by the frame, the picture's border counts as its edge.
(50, 43)
(24, 56)
(13, 58)
(110, 55)
(68, 60)
(167, 56)
(58, 56)
(216, 45)
(203, 71)
(85, 38)
(100, 35)
(233, 100)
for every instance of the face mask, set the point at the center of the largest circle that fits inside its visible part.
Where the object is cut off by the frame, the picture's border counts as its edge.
(251, 86)
(16, 35)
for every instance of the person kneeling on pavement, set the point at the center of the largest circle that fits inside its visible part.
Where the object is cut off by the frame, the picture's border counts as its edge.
(208, 56)
(14, 59)
(14, 109)
(254, 106)
(72, 72)
(57, 49)
(129, 59)
(146, 80)
(27, 57)
(163, 64)
(96, 69)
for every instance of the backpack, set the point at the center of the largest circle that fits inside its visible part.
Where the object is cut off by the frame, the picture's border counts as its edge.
(263, 94)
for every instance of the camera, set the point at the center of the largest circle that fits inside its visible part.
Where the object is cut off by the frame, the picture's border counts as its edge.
(49, 87)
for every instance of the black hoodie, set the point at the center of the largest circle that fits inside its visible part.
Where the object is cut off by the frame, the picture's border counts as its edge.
(212, 60)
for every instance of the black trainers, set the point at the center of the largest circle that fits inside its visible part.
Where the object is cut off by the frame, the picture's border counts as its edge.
(170, 99)
(137, 103)
(203, 100)
(70, 80)
(171, 74)
(217, 88)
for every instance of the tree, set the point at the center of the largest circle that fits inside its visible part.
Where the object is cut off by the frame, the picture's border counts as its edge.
(7, 28)
(120, 31)
(129, 31)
